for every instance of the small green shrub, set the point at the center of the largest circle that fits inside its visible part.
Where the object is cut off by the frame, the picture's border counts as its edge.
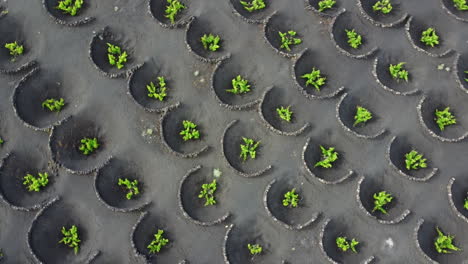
(88, 145)
(158, 242)
(380, 200)
(285, 113)
(414, 160)
(15, 49)
(465, 205)
(444, 118)
(326, 4)
(211, 42)
(328, 157)
(53, 105)
(429, 37)
(254, 249)
(315, 79)
(207, 193)
(444, 243)
(354, 39)
(249, 149)
(460, 5)
(1, 141)
(291, 198)
(190, 131)
(344, 244)
(70, 238)
(157, 92)
(288, 38)
(172, 9)
(239, 86)
(466, 79)
(383, 6)
(70, 7)
(398, 72)
(131, 186)
(116, 56)
(362, 115)
(36, 183)
(253, 5)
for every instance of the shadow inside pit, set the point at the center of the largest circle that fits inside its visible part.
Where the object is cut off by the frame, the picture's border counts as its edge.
(460, 194)
(51, 7)
(426, 236)
(157, 8)
(462, 66)
(198, 28)
(400, 147)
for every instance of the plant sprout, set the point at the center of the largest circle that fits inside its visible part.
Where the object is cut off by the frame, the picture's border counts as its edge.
(444, 118)
(36, 183)
(172, 9)
(253, 5)
(328, 157)
(53, 105)
(88, 145)
(398, 72)
(239, 86)
(210, 42)
(380, 200)
(465, 205)
(466, 79)
(207, 193)
(15, 49)
(414, 160)
(354, 39)
(131, 186)
(460, 5)
(288, 38)
(291, 198)
(326, 4)
(344, 244)
(70, 238)
(157, 92)
(444, 243)
(362, 115)
(315, 79)
(158, 242)
(190, 131)
(1, 141)
(429, 37)
(383, 6)
(254, 249)
(285, 113)
(116, 56)
(249, 149)
(70, 7)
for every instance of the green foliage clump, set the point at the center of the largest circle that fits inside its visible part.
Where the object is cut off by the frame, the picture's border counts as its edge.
(131, 186)
(239, 86)
(288, 38)
(354, 39)
(70, 7)
(291, 198)
(444, 243)
(466, 79)
(53, 105)
(15, 49)
(465, 205)
(172, 9)
(315, 79)
(326, 4)
(414, 160)
(285, 113)
(250, 148)
(210, 42)
(461, 5)
(88, 145)
(157, 92)
(190, 131)
(328, 157)
(70, 238)
(116, 56)
(362, 115)
(380, 200)
(36, 183)
(344, 244)
(383, 6)
(253, 5)
(429, 37)
(1, 141)
(207, 192)
(444, 118)
(254, 249)
(158, 242)
(397, 72)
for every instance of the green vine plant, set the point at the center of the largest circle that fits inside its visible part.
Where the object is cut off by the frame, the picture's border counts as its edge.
(15, 50)
(71, 238)
(414, 160)
(70, 7)
(254, 249)
(190, 131)
(1, 141)
(466, 73)
(465, 204)
(249, 148)
(328, 157)
(344, 244)
(253, 5)
(158, 242)
(384, 6)
(398, 72)
(115, 56)
(444, 243)
(288, 39)
(210, 42)
(362, 115)
(88, 145)
(326, 4)
(239, 86)
(173, 8)
(291, 198)
(285, 113)
(354, 39)
(315, 79)
(53, 105)
(429, 37)
(36, 183)
(130, 186)
(157, 92)
(460, 5)
(207, 192)
(444, 118)
(381, 199)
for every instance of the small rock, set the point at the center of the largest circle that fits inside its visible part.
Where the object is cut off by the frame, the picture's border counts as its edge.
(149, 131)
(196, 73)
(447, 69)
(202, 80)
(116, 8)
(388, 244)
(217, 173)
(440, 66)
